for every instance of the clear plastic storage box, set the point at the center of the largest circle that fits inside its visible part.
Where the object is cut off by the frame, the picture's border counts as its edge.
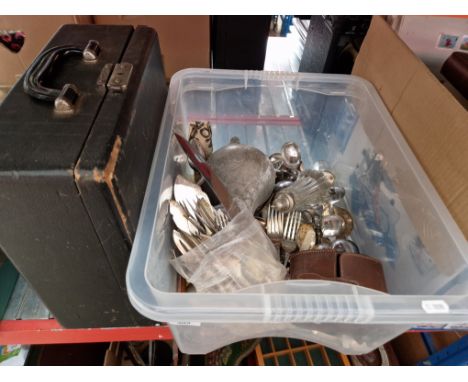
(399, 217)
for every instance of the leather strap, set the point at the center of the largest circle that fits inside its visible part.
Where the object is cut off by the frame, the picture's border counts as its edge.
(321, 262)
(364, 270)
(326, 264)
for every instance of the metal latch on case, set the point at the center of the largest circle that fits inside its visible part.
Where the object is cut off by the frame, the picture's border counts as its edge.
(115, 77)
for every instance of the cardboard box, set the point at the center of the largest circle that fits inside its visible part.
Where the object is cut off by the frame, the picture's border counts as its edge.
(433, 122)
(410, 349)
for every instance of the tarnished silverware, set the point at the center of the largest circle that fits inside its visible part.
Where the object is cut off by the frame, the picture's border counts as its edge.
(291, 155)
(336, 193)
(193, 241)
(282, 184)
(291, 226)
(323, 244)
(287, 163)
(277, 161)
(206, 216)
(324, 169)
(308, 216)
(246, 172)
(274, 223)
(187, 194)
(185, 242)
(215, 183)
(306, 237)
(262, 222)
(332, 225)
(342, 245)
(182, 245)
(329, 177)
(182, 220)
(221, 219)
(304, 193)
(348, 220)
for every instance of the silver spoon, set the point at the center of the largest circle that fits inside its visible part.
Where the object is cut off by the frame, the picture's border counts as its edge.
(348, 220)
(342, 245)
(332, 225)
(291, 154)
(181, 219)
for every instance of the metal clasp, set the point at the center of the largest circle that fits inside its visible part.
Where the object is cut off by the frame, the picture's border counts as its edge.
(115, 77)
(120, 77)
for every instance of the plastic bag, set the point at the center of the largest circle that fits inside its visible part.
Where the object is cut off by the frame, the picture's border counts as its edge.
(237, 257)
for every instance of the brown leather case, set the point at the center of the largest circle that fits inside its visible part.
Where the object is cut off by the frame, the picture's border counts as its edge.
(363, 270)
(326, 264)
(314, 263)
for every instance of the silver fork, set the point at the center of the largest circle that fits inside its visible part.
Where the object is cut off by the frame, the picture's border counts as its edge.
(288, 244)
(274, 223)
(221, 219)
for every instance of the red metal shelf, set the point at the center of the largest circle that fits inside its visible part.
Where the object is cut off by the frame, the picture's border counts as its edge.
(49, 331)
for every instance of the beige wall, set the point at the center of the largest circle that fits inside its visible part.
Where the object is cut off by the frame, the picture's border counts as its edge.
(38, 30)
(185, 40)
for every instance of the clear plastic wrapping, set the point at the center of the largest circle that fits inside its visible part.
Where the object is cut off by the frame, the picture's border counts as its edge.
(237, 257)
